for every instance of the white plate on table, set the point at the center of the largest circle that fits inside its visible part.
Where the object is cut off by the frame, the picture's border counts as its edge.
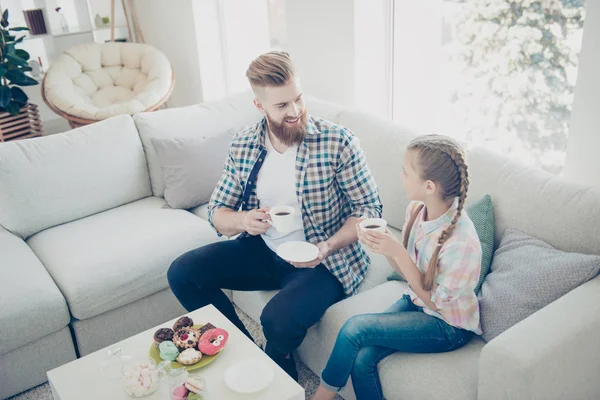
(297, 251)
(249, 376)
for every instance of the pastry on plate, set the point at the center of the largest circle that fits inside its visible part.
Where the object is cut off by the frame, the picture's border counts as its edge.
(189, 357)
(183, 322)
(186, 338)
(168, 351)
(163, 334)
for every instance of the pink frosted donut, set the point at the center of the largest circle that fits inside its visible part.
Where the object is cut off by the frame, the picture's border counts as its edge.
(213, 341)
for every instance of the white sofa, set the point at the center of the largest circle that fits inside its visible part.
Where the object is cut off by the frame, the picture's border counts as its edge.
(85, 244)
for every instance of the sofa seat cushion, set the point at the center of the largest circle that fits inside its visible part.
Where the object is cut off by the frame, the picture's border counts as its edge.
(31, 305)
(118, 256)
(450, 375)
(201, 211)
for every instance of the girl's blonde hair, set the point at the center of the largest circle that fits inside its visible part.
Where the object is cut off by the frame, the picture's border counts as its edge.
(441, 160)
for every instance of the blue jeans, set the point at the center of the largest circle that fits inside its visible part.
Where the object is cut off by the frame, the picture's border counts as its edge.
(366, 339)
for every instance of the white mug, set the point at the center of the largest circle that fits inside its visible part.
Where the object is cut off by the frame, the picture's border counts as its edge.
(374, 224)
(282, 218)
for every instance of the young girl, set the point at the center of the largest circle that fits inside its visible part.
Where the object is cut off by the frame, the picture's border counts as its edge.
(441, 261)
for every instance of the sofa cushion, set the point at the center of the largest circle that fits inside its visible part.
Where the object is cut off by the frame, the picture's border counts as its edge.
(31, 305)
(451, 375)
(200, 120)
(564, 214)
(116, 257)
(528, 274)
(191, 167)
(201, 211)
(56, 179)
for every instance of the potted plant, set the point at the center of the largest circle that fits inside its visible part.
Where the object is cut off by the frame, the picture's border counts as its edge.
(18, 118)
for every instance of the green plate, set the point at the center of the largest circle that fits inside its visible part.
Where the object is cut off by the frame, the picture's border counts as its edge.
(205, 360)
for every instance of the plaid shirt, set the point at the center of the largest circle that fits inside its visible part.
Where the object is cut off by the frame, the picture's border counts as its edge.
(459, 266)
(333, 183)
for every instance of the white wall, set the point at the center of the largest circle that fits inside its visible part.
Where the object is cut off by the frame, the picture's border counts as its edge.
(372, 63)
(583, 147)
(320, 39)
(170, 27)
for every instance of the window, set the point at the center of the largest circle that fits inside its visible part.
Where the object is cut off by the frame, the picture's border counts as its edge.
(495, 73)
(230, 34)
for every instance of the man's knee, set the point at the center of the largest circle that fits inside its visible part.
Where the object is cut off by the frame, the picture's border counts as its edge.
(275, 322)
(183, 272)
(178, 270)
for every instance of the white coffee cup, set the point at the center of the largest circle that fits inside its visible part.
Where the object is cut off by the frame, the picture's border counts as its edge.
(374, 224)
(282, 218)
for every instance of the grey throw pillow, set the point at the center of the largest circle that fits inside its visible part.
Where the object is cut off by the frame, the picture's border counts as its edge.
(526, 275)
(191, 167)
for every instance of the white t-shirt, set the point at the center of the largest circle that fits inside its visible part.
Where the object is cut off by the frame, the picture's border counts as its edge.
(276, 186)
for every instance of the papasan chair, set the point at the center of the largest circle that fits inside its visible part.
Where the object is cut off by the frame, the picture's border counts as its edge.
(95, 81)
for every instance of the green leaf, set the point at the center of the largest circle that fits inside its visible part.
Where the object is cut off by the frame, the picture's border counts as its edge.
(13, 108)
(19, 40)
(4, 21)
(8, 38)
(19, 29)
(12, 58)
(18, 94)
(17, 77)
(5, 95)
(22, 54)
(3, 70)
(9, 48)
(26, 69)
(28, 82)
(14, 74)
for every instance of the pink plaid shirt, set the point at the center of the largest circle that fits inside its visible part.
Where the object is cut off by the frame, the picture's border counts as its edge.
(459, 266)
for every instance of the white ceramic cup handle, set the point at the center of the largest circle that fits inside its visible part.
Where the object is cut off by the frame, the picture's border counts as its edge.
(270, 221)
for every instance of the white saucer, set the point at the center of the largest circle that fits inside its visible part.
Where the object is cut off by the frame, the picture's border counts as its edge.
(249, 376)
(297, 251)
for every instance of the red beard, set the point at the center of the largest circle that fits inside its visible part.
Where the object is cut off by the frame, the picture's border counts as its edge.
(288, 135)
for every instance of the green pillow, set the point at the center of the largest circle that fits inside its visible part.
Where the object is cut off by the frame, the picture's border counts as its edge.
(482, 214)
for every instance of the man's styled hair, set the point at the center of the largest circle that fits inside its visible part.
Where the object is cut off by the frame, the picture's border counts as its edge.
(274, 68)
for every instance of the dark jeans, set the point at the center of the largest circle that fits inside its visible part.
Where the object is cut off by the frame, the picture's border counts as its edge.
(197, 277)
(366, 339)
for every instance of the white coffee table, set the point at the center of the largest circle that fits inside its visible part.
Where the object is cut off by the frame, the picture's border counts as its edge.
(82, 379)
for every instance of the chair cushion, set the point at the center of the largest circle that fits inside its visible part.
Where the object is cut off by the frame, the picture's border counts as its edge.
(119, 256)
(100, 80)
(32, 306)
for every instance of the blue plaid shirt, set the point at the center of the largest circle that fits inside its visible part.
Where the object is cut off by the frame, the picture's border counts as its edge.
(333, 183)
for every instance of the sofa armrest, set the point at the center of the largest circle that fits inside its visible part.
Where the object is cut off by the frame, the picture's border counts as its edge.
(552, 354)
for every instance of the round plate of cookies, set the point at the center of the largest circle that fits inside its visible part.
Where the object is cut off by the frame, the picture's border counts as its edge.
(187, 344)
